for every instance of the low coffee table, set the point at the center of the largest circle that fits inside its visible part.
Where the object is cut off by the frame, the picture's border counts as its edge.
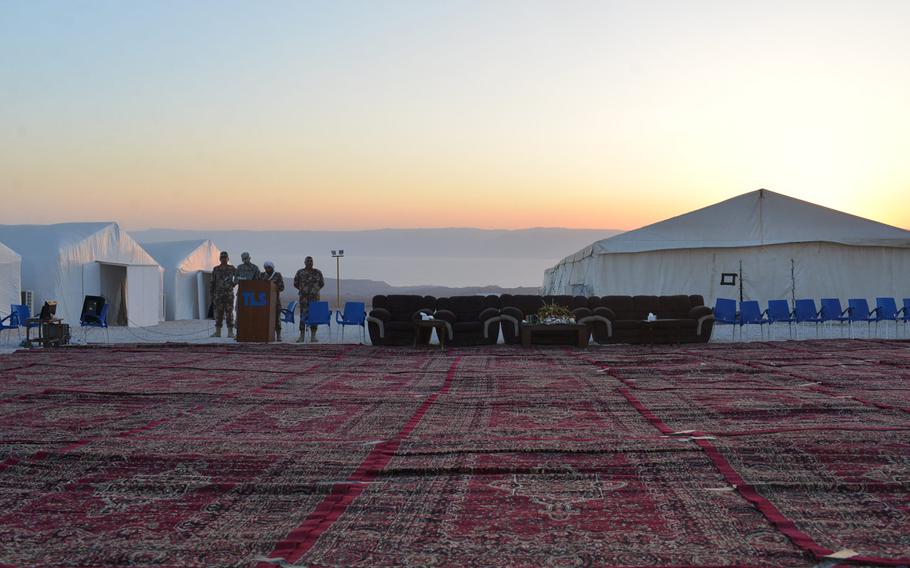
(667, 330)
(555, 334)
(437, 324)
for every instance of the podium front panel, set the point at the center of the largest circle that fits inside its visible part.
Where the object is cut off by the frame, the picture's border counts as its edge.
(256, 301)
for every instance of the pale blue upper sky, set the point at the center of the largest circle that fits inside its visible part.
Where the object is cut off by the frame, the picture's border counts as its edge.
(489, 114)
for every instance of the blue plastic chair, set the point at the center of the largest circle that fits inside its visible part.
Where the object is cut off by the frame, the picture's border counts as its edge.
(287, 314)
(805, 312)
(101, 323)
(779, 312)
(750, 314)
(725, 313)
(23, 314)
(11, 322)
(858, 311)
(886, 310)
(319, 314)
(833, 312)
(354, 314)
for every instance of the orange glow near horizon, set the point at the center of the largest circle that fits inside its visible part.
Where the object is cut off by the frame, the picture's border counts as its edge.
(507, 116)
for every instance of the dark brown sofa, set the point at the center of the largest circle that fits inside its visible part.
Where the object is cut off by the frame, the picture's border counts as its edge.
(624, 315)
(391, 321)
(470, 320)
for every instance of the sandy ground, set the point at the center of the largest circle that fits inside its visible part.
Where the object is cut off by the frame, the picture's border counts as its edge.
(199, 331)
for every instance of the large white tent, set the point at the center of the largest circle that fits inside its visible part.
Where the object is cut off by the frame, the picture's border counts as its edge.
(187, 273)
(68, 261)
(762, 245)
(10, 270)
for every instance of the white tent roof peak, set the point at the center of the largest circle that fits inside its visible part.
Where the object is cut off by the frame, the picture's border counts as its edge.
(757, 218)
(172, 254)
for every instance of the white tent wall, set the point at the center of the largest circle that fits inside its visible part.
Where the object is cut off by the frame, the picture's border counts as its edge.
(61, 262)
(143, 282)
(182, 261)
(817, 270)
(10, 278)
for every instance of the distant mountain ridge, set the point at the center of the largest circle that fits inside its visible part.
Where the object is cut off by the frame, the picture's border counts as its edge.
(362, 290)
(422, 258)
(459, 242)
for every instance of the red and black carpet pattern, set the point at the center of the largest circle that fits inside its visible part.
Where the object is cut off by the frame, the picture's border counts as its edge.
(774, 454)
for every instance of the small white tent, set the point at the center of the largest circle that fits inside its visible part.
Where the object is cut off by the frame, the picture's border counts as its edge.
(10, 270)
(777, 247)
(187, 273)
(69, 261)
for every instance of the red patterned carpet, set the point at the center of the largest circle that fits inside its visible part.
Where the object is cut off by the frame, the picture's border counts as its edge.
(718, 455)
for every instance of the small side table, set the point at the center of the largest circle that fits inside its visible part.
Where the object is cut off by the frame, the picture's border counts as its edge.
(555, 334)
(45, 338)
(437, 324)
(667, 329)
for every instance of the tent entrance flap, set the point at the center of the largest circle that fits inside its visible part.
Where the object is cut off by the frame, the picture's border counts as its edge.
(113, 289)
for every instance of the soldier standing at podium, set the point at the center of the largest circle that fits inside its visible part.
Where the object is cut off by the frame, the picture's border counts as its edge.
(270, 274)
(224, 278)
(309, 282)
(247, 270)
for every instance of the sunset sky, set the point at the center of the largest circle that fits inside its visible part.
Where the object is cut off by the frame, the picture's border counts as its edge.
(493, 114)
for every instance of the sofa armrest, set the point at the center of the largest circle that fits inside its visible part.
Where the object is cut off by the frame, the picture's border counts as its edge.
(592, 319)
(381, 314)
(511, 316)
(380, 324)
(581, 313)
(445, 315)
(699, 311)
(488, 313)
(702, 322)
(605, 313)
(512, 312)
(490, 319)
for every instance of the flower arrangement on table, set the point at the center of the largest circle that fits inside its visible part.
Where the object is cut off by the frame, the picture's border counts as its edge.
(553, 313)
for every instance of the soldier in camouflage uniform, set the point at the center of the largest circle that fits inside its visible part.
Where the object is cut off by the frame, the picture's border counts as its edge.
(224, 278)
(247, 270)
(270, 274)
(309, 282)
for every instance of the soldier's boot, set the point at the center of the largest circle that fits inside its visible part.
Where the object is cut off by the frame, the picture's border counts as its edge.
(302, 337)
(313, 336)
(230, 332)
(217, 332)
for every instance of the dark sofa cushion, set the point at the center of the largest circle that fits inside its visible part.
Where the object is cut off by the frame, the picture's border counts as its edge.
(526, 303)
(620, 305)
(467, 308)
(673, 307)
(643, 305)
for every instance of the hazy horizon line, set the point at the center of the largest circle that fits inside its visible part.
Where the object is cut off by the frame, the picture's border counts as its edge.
(235, 230)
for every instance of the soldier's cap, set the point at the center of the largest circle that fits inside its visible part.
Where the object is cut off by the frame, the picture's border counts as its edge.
(223, 254)
(268, 264)
(245, 256)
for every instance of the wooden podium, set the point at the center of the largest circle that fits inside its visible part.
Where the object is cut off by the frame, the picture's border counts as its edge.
(256, 300)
